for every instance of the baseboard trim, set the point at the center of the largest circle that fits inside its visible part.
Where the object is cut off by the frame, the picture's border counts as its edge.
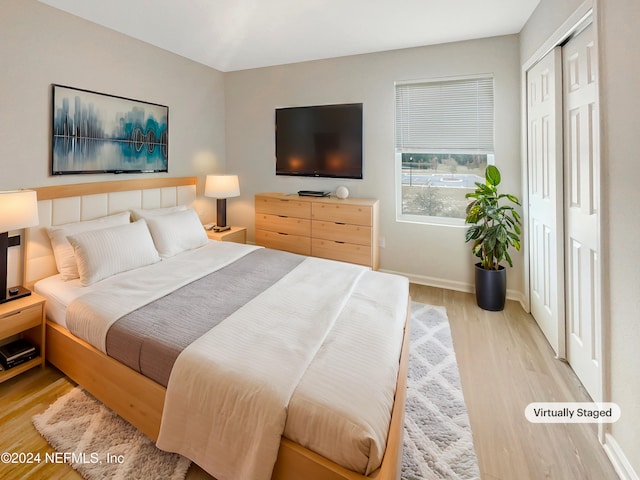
(453, 285)
(618, 459)
(434, 282)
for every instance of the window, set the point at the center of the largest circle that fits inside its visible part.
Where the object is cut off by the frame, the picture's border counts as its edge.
(444, 141)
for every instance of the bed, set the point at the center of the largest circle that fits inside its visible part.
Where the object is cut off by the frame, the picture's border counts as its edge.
(141, 400)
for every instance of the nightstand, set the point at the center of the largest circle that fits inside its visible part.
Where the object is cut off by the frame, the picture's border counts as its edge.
(24, 317)
(236, 234)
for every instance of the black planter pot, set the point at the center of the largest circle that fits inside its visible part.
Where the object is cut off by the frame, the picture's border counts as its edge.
(491, 288)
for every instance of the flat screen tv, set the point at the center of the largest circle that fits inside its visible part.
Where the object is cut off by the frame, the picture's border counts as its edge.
(319, 141)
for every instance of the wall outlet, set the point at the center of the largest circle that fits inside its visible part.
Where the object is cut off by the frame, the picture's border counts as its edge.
(382, 242)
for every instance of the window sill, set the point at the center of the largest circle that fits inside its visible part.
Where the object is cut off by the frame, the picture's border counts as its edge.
(432, 221)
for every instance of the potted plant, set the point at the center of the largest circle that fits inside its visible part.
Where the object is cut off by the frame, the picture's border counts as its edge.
(495, 227)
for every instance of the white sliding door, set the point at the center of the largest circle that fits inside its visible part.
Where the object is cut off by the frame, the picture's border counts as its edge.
(581, 186)
(564, 225)
(544, 163)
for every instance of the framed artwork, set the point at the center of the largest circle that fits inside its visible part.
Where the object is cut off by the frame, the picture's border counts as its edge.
(99, 133)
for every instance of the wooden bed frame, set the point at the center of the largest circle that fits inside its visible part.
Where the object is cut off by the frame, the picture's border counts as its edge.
(140, 400)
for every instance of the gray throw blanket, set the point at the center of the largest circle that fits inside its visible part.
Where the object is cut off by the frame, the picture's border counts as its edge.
(150, 339)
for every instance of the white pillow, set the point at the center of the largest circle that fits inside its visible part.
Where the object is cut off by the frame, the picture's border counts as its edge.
(62, 249)
(177, 232)
(103, 253)
(138, 213)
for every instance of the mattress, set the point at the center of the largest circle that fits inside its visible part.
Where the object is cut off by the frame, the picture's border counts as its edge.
(59, 294)
(347, 390)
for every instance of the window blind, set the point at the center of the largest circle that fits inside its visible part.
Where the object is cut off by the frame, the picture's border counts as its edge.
(445, 115)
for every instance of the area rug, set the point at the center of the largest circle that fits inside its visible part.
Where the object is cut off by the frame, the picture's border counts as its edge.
(437, 436)
(100, 445)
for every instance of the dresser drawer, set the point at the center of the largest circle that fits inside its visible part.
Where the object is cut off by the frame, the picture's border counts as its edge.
(283, 241)
(280, 224)
(344, 252)
(342, 232)
(19, 321)
(285, 207)
(335, 212)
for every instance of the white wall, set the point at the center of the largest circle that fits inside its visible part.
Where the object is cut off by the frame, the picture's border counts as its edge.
(40, 45)
(619, 58)
(544, 21)
(433, 254)
(620, 81)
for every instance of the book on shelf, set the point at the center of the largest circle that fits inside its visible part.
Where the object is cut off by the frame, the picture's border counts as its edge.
(17, 352)
(19, 361)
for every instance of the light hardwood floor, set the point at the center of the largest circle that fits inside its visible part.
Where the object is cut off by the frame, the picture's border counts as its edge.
(505, 363)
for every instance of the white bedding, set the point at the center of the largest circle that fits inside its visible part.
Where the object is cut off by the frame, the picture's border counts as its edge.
(59, 294)
(235, 382)
(128, 291)
(133, 289)
(346, 392)
(352, 403)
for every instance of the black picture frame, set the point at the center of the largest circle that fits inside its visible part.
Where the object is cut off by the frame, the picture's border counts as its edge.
(95, 132)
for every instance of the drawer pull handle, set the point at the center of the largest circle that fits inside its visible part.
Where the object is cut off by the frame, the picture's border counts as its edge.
(340, 223)
(339, 242)
(280, 233)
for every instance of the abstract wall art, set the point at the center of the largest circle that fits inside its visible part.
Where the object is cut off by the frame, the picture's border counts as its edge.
(99, 133)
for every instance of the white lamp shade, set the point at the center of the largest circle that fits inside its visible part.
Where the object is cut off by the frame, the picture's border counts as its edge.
(222, 186)
(18, 209)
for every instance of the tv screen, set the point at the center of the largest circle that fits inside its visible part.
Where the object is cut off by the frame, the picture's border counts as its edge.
(319, 141)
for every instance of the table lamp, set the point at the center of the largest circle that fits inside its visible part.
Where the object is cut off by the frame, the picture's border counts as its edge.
(221, 187)
(18, 209)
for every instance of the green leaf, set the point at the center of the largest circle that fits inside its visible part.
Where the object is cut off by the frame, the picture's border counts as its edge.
(473, 233)
(513, 198)
(502, 235)
(490, 242)
(508, 258)
(484, 189)
(492, 175)
(473, 214)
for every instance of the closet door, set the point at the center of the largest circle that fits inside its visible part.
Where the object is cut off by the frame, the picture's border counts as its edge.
(582, 180)
(544, 164)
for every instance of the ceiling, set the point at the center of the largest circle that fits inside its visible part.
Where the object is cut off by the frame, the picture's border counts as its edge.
(233, 35)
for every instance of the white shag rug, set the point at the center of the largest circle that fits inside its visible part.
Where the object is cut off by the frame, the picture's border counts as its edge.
(101, 445)
(437, 436)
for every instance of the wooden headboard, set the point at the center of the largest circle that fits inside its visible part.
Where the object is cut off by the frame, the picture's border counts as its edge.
(62, 204)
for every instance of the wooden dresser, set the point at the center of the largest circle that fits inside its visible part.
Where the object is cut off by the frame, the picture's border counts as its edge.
(327, 227)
